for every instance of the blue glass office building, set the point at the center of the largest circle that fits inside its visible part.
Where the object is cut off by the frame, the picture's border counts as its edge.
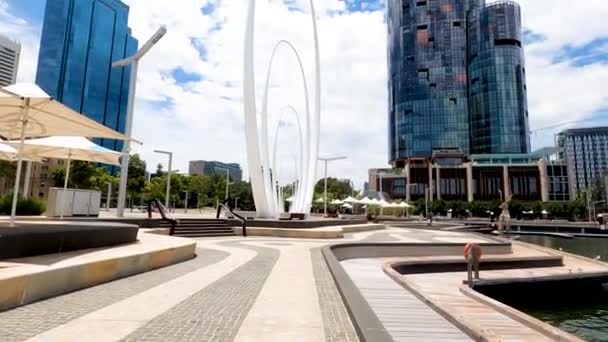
(434, 48)
(80, 40)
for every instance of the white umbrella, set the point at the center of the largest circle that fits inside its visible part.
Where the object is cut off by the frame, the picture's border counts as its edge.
(350, 199)
(7, 152)
(404, 205)
(289, 199)
(27, 111)
(70, 148)
(365, 201)
(346, 205)
(319, 200)
(336, 202)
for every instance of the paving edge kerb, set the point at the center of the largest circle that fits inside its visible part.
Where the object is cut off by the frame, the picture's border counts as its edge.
(366, 323)
(27, 288)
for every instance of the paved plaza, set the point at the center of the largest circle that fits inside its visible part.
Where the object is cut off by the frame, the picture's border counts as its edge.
(236, 289)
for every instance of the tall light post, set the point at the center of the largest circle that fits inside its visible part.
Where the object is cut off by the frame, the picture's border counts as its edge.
(186, 202)
(227, 179)
(327, 160)
(133, 61)
(170, 154)
(109, 195)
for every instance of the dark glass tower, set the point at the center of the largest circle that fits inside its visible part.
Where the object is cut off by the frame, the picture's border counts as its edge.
(429, 76)
(80, 40)
(498, 105)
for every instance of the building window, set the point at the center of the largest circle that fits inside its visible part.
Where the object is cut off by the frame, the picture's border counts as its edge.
(423, 74)
(457, 24)
(453, 100)
(420, 3)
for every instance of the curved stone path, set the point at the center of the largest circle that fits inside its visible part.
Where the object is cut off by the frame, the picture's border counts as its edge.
(237, 289)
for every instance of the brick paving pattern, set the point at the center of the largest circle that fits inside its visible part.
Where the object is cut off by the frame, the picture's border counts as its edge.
(27, 321)
(337, 323)
(216, 312)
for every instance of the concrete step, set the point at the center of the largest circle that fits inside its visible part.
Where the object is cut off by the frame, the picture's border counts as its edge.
(210, 229)
(205, 234)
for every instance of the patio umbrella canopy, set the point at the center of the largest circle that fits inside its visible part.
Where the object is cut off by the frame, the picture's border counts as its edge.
(7, 152)
(336, 202)
(26, 111)
(65, 147)
(70, 148)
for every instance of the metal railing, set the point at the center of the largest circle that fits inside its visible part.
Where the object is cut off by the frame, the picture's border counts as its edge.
(225, 204)
(164, 214)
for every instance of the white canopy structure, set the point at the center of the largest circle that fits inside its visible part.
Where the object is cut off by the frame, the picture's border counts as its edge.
(319, 200)
(336, 202)
(350, 199)
(289, 199)
(70, 148)
(404, 205)
(365, 201)
(26, 111)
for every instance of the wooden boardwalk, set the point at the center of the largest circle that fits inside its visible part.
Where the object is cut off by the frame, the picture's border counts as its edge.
(403, 315)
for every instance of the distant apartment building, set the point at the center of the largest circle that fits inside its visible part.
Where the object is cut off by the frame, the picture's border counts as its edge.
(205, 167)
(585, 150)
(9, 60)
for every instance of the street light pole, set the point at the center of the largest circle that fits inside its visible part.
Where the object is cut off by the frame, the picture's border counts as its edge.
(133, 61)
(327, 160)
(170, 154)
(186, 202)
(227, 179)
(109, 195)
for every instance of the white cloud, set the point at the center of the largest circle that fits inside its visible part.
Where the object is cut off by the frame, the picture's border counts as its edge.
(203, 119)
(28, 34)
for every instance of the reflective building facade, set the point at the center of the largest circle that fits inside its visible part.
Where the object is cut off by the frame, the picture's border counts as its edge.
(432, 102)
(498, 105)
(80, 40)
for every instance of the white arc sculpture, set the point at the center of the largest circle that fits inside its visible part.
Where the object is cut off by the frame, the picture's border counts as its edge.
(263, 176)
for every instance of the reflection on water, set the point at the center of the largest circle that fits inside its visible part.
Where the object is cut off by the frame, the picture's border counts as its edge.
(584, 315)
(587, 319)
(589, 247)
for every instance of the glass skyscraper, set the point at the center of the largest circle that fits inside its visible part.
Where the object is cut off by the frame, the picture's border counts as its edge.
(456, 78)
(586, 153)
(80, 40)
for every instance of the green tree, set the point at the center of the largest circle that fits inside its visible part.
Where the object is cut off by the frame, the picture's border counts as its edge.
(242, 191)
(336, 188)
(200, 185)
(81, 174)
(136, 180)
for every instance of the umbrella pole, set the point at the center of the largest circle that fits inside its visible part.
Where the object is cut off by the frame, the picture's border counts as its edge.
(19, 166)
(65, 186)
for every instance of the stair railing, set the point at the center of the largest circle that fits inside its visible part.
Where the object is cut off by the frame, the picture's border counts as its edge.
(164, 214)
(225, 204)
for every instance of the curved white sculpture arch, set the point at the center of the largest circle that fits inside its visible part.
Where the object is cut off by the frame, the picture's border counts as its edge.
(264, 191)
(298, 166)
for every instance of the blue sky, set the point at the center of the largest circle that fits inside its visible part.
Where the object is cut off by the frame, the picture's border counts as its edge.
(189, 86)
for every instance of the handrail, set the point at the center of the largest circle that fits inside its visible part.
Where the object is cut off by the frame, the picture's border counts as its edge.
(226, 207)
(163, 214)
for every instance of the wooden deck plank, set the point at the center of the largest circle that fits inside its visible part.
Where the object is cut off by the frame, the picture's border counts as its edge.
(403, 315)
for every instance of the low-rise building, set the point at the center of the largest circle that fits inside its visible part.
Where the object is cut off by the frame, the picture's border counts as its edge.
(205, 167)
(450, 175)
